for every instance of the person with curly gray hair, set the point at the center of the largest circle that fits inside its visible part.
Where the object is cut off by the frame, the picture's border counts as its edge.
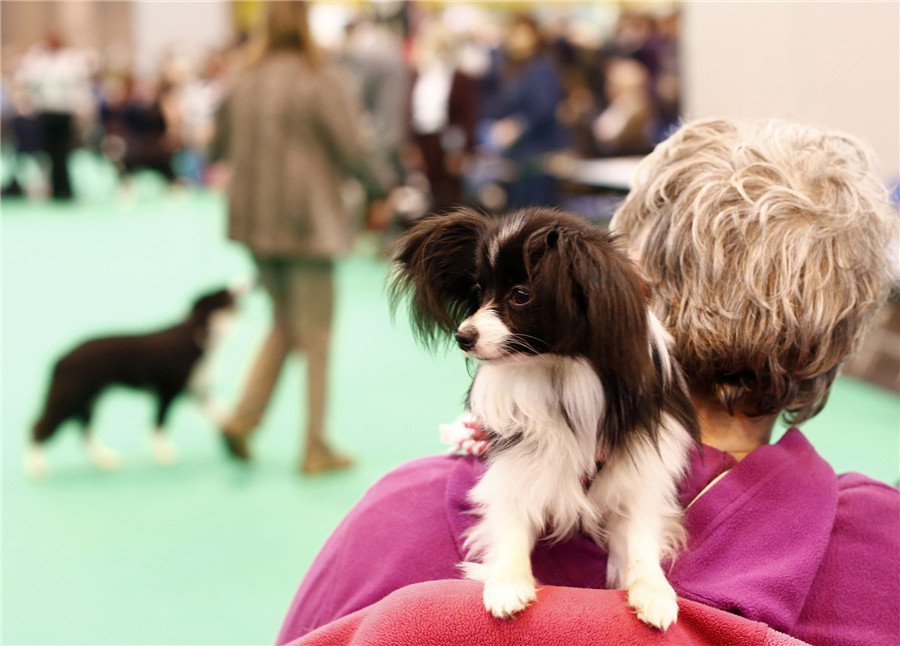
(767, 248)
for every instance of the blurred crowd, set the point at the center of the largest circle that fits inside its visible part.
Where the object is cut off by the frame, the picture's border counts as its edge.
(465, 102)
(56, 99)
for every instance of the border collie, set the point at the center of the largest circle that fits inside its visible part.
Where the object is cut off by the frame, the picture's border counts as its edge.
(165, 363)
(588, 416)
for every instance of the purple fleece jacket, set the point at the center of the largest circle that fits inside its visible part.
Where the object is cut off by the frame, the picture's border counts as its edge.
(778, 539)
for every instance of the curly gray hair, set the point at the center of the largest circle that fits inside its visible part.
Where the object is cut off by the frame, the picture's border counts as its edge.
(767, 248)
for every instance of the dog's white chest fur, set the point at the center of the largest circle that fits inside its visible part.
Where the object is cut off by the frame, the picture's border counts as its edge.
(546, 411)
(540, 397)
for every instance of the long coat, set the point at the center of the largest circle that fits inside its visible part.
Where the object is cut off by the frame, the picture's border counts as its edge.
(292, 134)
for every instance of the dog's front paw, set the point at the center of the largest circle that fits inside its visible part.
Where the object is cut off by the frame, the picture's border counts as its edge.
(655, 602)
(503, 598)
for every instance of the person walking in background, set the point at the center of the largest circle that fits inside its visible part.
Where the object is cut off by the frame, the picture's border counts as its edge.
(291, 132)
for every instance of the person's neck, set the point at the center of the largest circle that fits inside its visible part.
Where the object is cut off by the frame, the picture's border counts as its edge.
(737, 434)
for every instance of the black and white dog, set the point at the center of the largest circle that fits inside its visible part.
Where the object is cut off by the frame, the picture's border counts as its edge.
(165, 363)
(588, 416)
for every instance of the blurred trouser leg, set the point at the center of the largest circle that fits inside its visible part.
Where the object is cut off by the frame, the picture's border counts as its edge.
(311, 309)
(266, 368)
(56, 135)
(260, 383)
(302, 294)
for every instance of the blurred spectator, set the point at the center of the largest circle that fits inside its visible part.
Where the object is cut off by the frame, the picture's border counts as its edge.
(584, 83)
(135, 116)
(374, 56)
(11, 140)
(641, 55)
(291, 130)
(605, 83)
(56, 80)
(523, 109)
(667, 89)
(199, 97)
(627, 125)
(635, 37)
(622, 95)
(444, 113)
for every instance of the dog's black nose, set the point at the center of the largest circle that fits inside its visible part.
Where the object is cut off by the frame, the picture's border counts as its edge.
(466, 338)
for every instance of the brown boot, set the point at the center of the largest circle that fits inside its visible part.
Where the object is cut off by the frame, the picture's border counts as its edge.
(320, 457)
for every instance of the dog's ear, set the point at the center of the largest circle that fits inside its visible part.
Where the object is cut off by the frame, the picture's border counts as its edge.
(552, 237)
(434, 266)
(599, 287)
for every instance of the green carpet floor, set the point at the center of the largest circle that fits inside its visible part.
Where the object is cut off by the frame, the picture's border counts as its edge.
(209, 552)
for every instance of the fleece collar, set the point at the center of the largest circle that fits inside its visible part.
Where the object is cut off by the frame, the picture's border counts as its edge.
(757, 537)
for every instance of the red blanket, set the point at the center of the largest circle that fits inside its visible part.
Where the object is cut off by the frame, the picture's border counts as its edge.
(439, 613)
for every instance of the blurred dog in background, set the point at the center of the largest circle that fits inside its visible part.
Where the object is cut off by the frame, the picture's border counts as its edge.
(165, 363)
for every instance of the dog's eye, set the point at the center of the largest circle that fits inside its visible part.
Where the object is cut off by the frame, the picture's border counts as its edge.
(476, 290)
(519, 295)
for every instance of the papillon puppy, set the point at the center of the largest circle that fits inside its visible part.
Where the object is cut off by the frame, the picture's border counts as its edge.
(588, 416)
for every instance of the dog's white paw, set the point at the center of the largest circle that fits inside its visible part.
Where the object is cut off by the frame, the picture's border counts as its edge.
(655, 602)
(164, 452)
(36, 463)
(503, 598)
(103, 457)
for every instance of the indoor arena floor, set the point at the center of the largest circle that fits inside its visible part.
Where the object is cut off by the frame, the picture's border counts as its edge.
(208, 551)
